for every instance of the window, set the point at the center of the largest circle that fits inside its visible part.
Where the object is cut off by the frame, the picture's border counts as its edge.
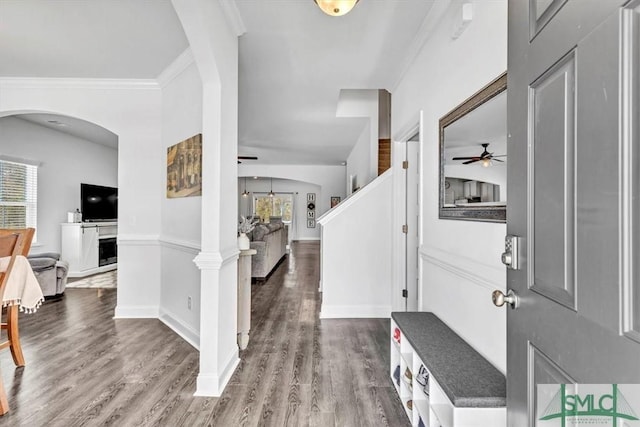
(18, 194)
(279, 206)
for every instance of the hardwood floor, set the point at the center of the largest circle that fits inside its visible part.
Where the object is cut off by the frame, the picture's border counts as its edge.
(86, 369)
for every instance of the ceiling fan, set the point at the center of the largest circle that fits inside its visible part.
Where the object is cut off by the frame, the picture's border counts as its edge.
(486, 157)
(246, 158)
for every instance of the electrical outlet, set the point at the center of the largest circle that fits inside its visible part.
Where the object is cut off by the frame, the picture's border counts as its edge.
(189, 303)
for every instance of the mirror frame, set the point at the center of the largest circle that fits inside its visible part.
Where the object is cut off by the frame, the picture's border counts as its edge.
(471, 213)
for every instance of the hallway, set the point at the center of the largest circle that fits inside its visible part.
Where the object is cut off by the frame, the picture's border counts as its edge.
(299, 370)
(86, 369)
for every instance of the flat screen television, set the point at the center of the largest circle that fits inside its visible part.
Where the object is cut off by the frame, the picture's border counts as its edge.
(98, 203)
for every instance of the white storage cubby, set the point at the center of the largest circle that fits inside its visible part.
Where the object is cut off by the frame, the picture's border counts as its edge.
(430, 403)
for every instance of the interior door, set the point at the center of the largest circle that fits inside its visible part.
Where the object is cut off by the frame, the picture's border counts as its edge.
(573, 198)
(412, 190)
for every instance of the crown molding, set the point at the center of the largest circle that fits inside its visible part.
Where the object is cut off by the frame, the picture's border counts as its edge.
(429, 25)
(177, 67)
(77, 83)
(233, 17)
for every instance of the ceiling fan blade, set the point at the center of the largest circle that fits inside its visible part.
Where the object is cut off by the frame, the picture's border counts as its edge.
(500, 155)
(471, 161)
(467, 158)
(247, 157)
(497, 160)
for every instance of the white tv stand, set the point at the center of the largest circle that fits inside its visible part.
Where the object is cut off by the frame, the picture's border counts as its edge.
(89, 247)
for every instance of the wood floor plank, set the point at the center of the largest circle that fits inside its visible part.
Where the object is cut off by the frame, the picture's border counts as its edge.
(85, 368)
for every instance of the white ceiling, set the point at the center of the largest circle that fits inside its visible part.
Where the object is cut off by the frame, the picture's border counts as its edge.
(294, 60)
(116, 39)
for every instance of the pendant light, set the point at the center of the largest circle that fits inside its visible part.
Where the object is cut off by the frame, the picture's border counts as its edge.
(271, 193)
(245, 193)
(336, 7)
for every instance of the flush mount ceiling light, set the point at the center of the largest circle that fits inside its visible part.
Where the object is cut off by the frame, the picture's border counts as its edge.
(336, 7)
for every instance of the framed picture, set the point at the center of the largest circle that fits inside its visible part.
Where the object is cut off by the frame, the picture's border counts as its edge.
(311, 197)
(334, 201)
(311, 214)
(184, 168)
(311, 223)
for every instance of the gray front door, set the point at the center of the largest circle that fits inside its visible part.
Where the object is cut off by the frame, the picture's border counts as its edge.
(574, 199)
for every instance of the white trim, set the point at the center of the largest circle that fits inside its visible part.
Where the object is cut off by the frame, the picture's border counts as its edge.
(215, 260)
(177, 67)
(210, 385)
(412, 128)
(355, 311)
(332, 213)
(466, 268)
(66, 83)
(136, 312)
(302, 239)
(138, 240)
(185, 331)
(189, 246)
(233, 17)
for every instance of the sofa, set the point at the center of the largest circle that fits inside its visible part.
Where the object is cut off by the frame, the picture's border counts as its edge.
(270, 242)
(51, 273)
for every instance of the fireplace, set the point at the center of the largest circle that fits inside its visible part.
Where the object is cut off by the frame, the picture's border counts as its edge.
(108, 251)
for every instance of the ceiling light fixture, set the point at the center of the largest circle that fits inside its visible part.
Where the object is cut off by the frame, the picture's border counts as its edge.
(271, 193)
(336, 7)
(245, 193)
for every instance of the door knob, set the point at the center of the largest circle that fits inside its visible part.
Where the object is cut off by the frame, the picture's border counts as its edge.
(499, 299)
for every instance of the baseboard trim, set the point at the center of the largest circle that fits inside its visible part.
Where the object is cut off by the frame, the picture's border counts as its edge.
(210, 385)
(136, 312)
(185, 331)
(355, 311)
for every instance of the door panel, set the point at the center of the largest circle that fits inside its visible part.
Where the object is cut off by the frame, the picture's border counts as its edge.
(541, 13)
(544, 371)
(573, 198)
(552, 162)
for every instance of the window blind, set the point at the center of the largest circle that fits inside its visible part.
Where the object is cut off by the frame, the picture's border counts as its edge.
(18, 195)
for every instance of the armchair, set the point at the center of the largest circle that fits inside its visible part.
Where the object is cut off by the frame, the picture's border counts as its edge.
(50, 271)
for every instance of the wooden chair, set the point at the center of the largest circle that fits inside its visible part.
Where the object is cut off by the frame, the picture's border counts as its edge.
(12, 244)
(22, 247)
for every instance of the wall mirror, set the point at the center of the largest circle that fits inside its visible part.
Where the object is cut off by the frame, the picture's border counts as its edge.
(473, 157)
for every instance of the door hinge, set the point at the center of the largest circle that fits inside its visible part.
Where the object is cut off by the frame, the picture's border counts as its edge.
(405, 164)
(405, 229)
(405, 294)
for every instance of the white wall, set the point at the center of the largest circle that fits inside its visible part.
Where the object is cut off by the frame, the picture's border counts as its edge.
(356, 254)
(363, 158)
(65, 162)
(358, 162)
(299, 230)
(460, 259)
(131, 110)
(181, 217)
